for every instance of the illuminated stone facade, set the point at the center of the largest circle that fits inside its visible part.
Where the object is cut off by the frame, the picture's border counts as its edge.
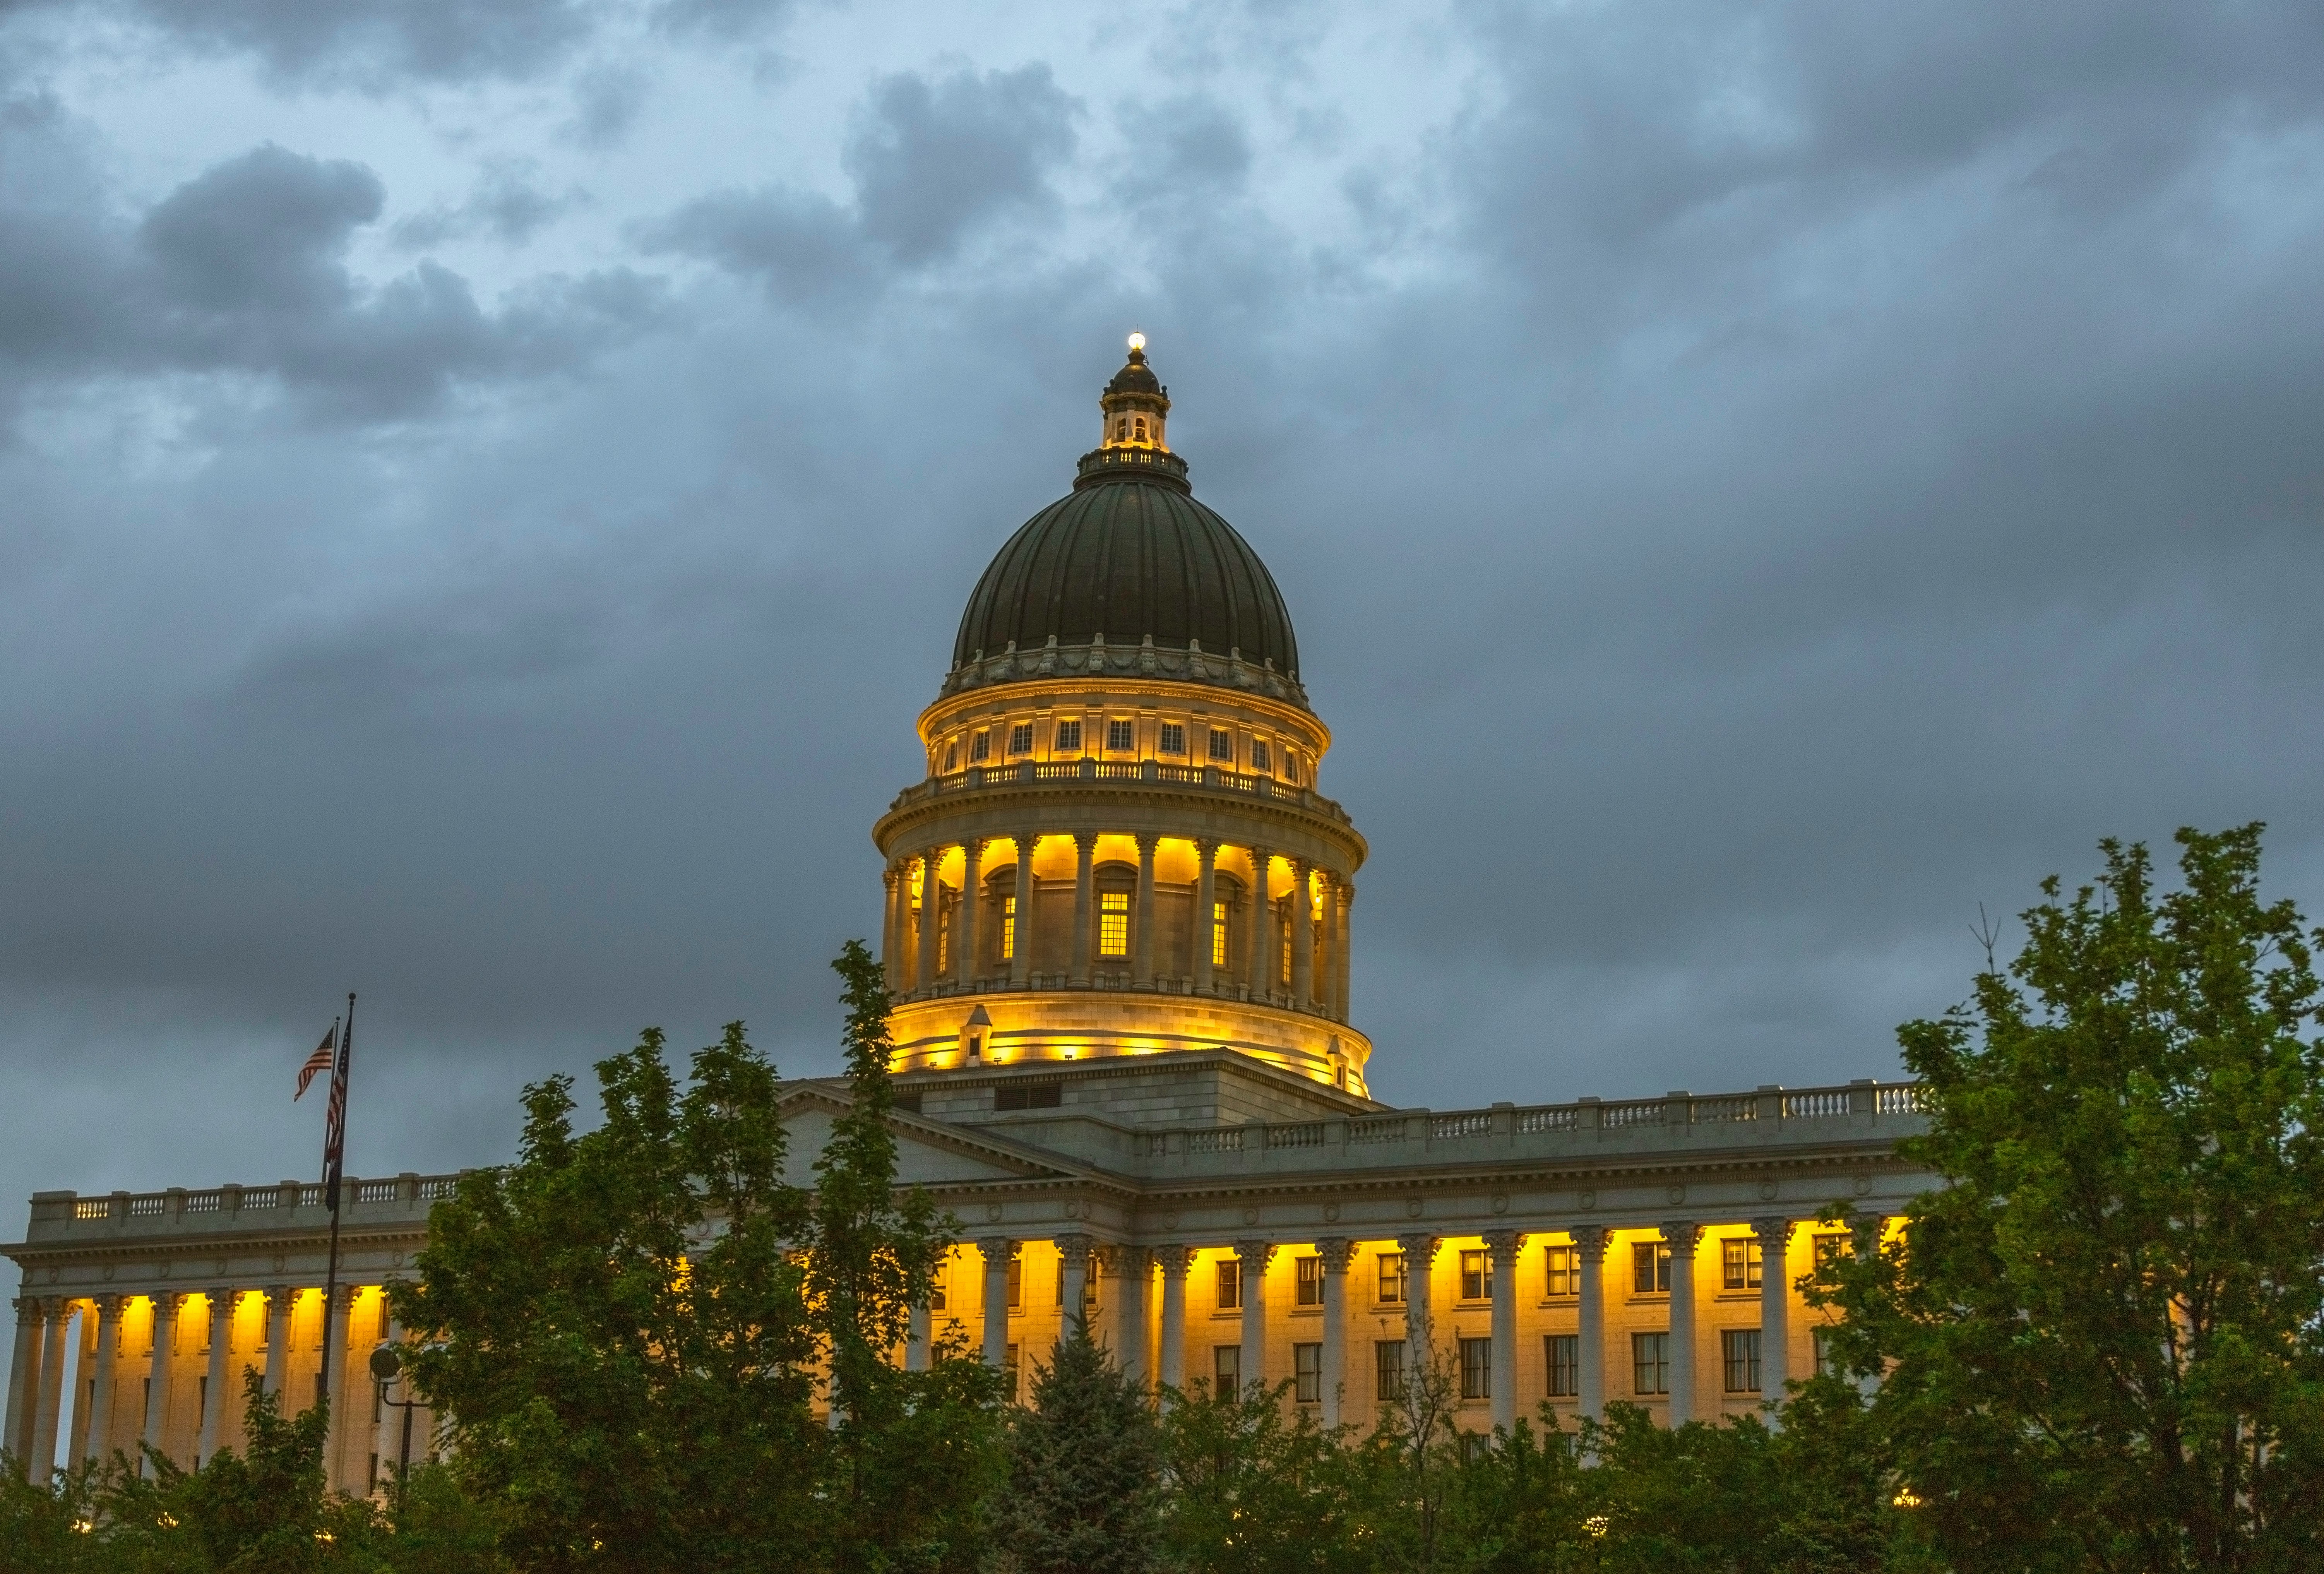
(1118, 924)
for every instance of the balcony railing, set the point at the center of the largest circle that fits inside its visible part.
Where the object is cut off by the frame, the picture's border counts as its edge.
(1150, 772)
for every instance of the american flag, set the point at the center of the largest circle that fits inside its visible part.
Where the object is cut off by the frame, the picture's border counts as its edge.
(318, 1062)
(334, 1123)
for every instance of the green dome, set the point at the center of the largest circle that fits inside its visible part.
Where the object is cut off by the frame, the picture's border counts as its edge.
(1129, 557)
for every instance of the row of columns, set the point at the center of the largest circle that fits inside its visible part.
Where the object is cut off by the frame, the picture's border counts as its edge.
(37, 1378)
(1127, 1300)
(904, 942)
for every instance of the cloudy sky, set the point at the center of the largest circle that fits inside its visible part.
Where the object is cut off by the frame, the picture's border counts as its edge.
(485, 486)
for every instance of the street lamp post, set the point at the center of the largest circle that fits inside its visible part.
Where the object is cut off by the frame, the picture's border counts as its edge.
(386, 1368)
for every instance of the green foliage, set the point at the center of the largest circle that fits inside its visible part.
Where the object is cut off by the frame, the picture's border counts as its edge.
(1255, 1486)
(2101, 1340)
(1084, 1469)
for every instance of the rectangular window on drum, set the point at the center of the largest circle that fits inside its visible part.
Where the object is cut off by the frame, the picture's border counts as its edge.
(1008, 928)
(1307, 1373)
(1120, 734)
(1114, 923)
(1258, 755)
(1561, 1353)
(1069, 737)
(1222, 745)
(1476, 1368)
(1649, 1364)
(1174, 738)
(980, 748)
(1020, 738)
(1218, 934)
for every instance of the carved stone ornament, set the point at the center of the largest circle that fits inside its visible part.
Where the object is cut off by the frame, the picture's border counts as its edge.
(1678, 1194)
(1096, 660)
(1863, 1185)
(1170, 1221)
(1766, 1190)
(1250, 1215)
(1501, 1202)
(1412, 1206)
(109, 1272)
(1588, 1200)
(992, 1212)
(1331, 1211)
(162, 1271)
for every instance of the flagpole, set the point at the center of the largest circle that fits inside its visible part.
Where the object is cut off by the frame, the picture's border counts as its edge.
(334, 1153)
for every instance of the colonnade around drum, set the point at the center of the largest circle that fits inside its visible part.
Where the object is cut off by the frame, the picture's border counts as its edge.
(1347, 1319)
(167, 1371)
(1135, 910)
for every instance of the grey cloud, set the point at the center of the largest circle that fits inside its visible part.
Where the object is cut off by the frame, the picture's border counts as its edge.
(376, 43)
(1188, 141)
(504, 205)
(243, 270)
(931, 160)
(606, 101)
(724, 20)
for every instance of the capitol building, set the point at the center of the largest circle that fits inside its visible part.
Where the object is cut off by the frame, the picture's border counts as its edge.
(1118, 922)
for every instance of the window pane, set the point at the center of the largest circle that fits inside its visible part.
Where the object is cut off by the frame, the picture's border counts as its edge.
(1391, 1278)
(1221, 744)
(1226, 1372)
(1230, 1284)
(1020, 738)
(1563, 1351)
(1476, 1368)
(1016, 1283)
(1307, 1370)
(1650, 1268)
(1476, 1276)
(1738, 1350)
(1008, 927)
(1174, 738)
(1010, 1367)
(1649, 1364)
(980, 746)
(1119, 734)
(1310, 1279)
(1114, 923)
(1564, 1278)
(1069, 737)
(1218, 934)
(1258, 755)
(1739, 1263)
(1389, 1370)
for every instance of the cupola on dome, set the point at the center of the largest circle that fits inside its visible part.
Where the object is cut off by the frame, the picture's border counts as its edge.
(1129, 573)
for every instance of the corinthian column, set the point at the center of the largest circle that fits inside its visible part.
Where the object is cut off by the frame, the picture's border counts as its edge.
(100, 1396)
(1084, 899)
(891, 965)
(1206, 903)
(1419, 1253)
(1072, 1286)
(1171, 1362)
(972, 900)
(1254, 1255)
(1683, 1236)
(1502, 1246)
(24, 1386)
(1303, 935)
(277, 1339)
(1775, 1233)
(58, 1316)
(1344, 892)
(1333, 1380)
(931, 919)
(1020, 953)
(999, 1251)
(1258, 976)
(1590, 1380)
(159, 1369)
(221, 1314)
(1142, 967)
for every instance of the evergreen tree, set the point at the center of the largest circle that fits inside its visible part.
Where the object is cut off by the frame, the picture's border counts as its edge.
(1084, 1469)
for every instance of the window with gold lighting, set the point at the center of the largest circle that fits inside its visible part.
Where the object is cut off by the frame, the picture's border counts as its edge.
(1114, 923)
(1008, 928)
(1218, 934)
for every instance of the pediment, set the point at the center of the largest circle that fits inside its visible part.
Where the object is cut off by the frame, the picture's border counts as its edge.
(927, 1152)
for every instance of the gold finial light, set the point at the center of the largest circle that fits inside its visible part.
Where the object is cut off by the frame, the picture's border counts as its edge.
(1137, 341)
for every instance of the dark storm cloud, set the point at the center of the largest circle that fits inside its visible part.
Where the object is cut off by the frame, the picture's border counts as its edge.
(244, 270)
(1752, 485)
(380, 43)
(932, 161)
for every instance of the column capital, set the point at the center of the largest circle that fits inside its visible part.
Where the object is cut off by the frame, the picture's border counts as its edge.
(346, 1300)
(1148, 841)
(274, 1292)
(1026, 841)
(1000, 1246)
(1772, 1228)
(1337, 1252)
(1254, 1250)
(1207, 846)
(974, 846)
(1075, 1248)
(1344, 888)
(1300, 867)
(1173, 1258)
(168, 1300)
(1681, 1236)
(1590, 1241)
(28, 1307)
(1423, 1247)
(1085, 840)
(890, 875)
(108, 1304)
(56, 1308)
(1504, 1244)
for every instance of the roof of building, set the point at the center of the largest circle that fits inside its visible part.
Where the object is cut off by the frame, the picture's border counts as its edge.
(1127, 555)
